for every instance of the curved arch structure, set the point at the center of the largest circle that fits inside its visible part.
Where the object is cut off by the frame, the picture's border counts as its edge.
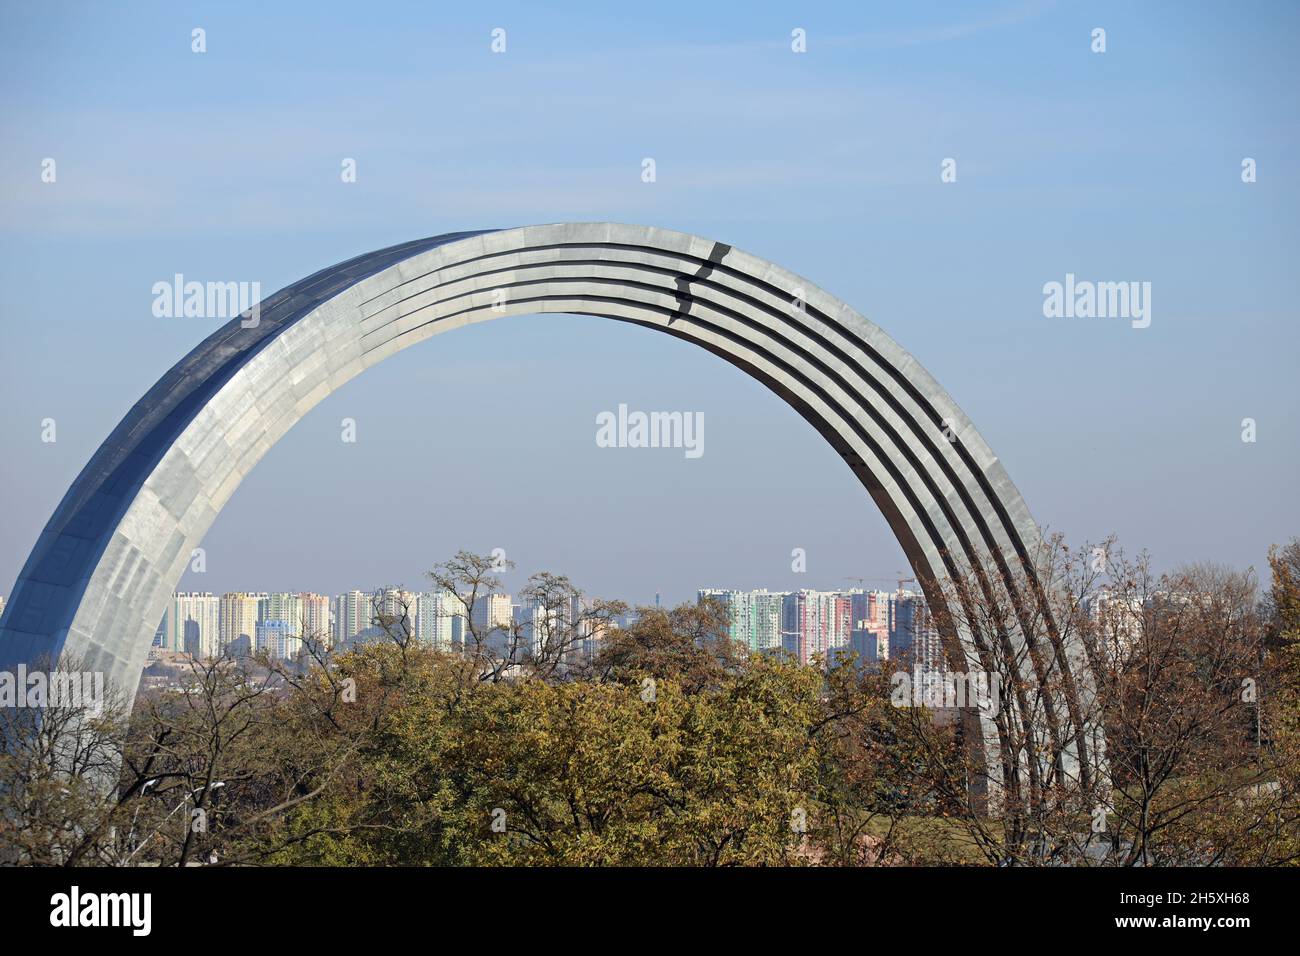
(103, 570)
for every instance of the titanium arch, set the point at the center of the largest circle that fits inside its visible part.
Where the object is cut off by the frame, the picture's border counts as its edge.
(104, 568)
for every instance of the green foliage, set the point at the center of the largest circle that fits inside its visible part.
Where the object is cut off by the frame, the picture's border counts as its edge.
(577, 773)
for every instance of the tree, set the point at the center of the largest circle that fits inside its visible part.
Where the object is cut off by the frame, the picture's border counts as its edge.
(58, 759)
(530, 770)
(687, 644)
(1177, 664)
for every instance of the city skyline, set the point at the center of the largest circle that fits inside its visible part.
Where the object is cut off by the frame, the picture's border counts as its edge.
(205, 623)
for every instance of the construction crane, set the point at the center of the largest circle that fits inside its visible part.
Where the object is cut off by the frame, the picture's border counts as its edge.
(898, 577)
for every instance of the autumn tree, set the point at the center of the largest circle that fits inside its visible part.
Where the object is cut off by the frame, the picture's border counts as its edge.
(58, 761)
(1176, 666)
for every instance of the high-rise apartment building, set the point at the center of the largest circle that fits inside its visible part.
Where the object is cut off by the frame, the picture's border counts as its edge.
(766, 607)
(912, 633)
(278, 639)
(316, 618)
(281, 606)
(239, 611)
(195, 624)
(352, 617)
(492, 617)
(816, 623)
(394, 614)
(874, 625)
(871, 614)
(591, 631)
(550, 631)
(440, 620)
(740, 612)
(754, 616)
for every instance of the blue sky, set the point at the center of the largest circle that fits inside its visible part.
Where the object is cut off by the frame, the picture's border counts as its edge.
(225, 166)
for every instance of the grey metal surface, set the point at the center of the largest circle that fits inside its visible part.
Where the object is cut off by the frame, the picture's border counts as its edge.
(103, 571)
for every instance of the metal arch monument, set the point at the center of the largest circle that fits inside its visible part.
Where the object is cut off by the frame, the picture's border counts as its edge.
(103, 570)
